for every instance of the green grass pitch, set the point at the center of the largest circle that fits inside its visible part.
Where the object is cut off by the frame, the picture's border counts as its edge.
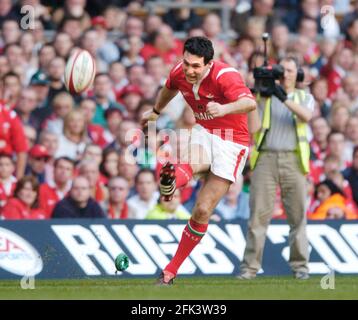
(228, 288)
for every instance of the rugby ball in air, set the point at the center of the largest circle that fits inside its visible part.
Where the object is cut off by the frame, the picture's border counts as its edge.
(80, 71)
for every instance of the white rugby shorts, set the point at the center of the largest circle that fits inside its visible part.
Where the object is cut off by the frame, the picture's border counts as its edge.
(227, 158)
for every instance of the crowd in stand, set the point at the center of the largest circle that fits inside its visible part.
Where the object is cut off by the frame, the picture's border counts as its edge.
(65, 156)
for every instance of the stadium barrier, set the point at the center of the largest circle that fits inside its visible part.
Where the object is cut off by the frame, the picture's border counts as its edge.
(87, 248)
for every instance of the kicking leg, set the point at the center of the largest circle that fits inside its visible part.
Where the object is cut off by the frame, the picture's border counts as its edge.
(213, 189)
(177, 176)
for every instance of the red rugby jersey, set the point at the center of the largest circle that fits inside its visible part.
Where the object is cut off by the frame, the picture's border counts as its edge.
(222, 84)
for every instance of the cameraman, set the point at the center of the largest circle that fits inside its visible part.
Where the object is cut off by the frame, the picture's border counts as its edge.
(280, 157)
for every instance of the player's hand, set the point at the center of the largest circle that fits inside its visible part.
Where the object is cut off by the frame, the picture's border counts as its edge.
(149, 115)
(215, 109)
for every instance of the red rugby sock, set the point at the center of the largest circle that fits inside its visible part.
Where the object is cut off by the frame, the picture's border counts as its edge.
(183, 174)
(192, 234)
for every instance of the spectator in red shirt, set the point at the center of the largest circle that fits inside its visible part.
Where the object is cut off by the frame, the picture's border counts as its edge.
(90, 169)
(131, 96)
(342, 63)
(320, 130)
(38, 156)
(116, 207)
(118, 74)
(114, 117)
(12, 138)
(52, 192)
(7, 180)
(95, 131)
(50, 141)
(24, 204)
(339, 116)
(163, 44)
(336, 145)
(109, 165)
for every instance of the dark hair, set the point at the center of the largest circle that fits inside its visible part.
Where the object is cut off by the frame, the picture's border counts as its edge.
(290, 57)
(87, 99)
(244, 37)
(306, 18)
(68, 18)
(115, 62)
(101, 74)
(9, 45)
(201, 47)
(331, 186)
(106, 152)
(332, 133)
(145, 170)
(143, 103)
(64, 158)
(34, 184)
(46, 44)
(316, 118)
(11, 74)
(6, 155)
(252, 59)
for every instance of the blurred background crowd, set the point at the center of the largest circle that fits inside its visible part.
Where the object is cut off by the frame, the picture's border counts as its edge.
(64, 156)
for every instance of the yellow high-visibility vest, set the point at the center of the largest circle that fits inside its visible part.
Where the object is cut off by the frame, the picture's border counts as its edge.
(303, 147)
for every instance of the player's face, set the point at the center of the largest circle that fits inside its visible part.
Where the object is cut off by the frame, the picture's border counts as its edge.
(194, 67)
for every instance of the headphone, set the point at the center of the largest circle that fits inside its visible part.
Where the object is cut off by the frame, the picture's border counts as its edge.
(300, 73)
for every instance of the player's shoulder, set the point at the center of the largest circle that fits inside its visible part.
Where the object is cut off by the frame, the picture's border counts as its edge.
(219, 69)
(177, 69)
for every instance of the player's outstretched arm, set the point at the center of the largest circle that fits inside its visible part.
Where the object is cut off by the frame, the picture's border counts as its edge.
(164, 97)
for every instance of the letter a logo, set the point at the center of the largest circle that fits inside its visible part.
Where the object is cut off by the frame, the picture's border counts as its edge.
(328, 281)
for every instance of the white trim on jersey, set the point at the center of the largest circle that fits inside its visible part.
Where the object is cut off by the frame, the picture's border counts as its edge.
(222, 71)
(196, 86)
(179, 64)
